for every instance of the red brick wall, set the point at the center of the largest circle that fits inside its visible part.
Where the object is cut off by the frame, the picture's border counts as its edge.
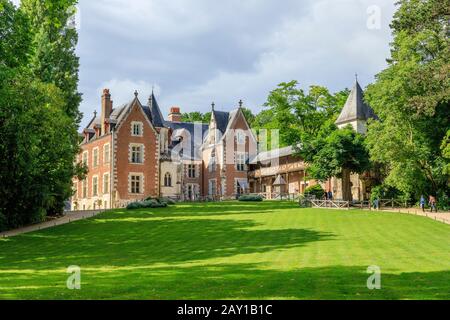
(150, 165)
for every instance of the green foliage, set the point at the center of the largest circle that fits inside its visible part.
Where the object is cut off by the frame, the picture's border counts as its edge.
(411, 97)
(149, 203)
(251, 198)
(196, 116)
(297, 114)
(315, 191)
(15, 36)
(38, 138)
(53, 59)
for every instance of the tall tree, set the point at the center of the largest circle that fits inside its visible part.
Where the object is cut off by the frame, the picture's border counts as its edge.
(336, 153)
(411, 97)
(54, 41)
(298, 114)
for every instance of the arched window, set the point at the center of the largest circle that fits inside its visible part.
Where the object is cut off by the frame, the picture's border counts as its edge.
(168, 180)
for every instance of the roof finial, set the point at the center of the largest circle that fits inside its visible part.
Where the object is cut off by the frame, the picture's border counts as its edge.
(213, 105)
(95, 113)
(241, 103)
(136, 93)
(356, 77)
(153, 89)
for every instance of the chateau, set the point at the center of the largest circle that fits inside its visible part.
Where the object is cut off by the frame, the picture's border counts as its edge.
(133, 153)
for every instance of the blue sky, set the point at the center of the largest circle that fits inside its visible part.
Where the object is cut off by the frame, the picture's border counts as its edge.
(194, 52)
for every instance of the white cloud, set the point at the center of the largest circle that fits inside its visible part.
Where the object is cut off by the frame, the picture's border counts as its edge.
(202, 51)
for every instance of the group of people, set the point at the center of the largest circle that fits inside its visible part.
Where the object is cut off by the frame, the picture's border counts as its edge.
(328, 195)
(431, 202)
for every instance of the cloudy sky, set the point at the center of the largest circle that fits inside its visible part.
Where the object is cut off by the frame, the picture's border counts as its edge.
(194, 52)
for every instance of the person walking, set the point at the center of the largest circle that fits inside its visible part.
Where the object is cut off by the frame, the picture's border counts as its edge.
(376, 204)
(432, 203)
(422, 203)
(330, 195)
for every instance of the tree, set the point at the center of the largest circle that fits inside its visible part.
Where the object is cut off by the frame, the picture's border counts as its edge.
(297, 114)
(336, 153)
(192, 117)
(54, 41)
(38, 139)
(411, 97)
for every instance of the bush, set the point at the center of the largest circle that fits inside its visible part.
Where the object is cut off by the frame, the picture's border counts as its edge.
(135, 205)
(152, 203)
(315, 191)
(167, 200)
(251, 198)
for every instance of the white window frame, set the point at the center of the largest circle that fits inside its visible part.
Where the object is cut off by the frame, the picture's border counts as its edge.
(168, 180)
(95, 190)
(106, 179)
(240, 137)
(142, 153)
(241, 159)
(192, 168)
(85, 158)
(141, 183)
(95, 161)
(84, 188)
(137, 124)
(106, 151)
(212, 186)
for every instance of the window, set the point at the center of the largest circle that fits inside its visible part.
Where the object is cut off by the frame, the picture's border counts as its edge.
(106, 183)
(137, 153)
(240, 137)
(95, 158)
(136, 184)
(212, 187)
(191, 171)
(95, 186)
(137, 129)
(168, 180)
(85, 158)
(240, 161)
(212, 164)
(106, 154)
(85, 187)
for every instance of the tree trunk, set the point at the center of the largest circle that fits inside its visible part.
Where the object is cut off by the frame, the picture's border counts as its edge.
(346, 185)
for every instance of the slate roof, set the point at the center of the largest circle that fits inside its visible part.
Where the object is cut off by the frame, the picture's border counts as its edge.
(155, 112)
(221, 120)
(355, 108)
(273, 154)
(196, 133)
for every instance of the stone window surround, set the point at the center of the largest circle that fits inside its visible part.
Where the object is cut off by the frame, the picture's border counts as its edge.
(85, 153)
(106, 190)
(84, 189)
(130, 153)
(106, 147)
(95, 194)
(141, 128)
(95, 161)
(142, 182)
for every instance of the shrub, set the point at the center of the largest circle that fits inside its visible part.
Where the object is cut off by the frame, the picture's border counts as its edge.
(315, 191)
(153, 203)
(167, 200)
(251, 198)
(135, 205)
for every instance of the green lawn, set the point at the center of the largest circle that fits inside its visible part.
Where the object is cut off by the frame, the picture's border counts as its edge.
(231, 250)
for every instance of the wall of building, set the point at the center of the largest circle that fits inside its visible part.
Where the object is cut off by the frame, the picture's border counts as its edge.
(123, 166)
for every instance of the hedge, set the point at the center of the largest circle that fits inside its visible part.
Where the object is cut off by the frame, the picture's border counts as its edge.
(251, 198)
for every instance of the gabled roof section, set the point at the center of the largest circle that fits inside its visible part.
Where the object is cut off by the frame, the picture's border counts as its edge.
(355, 108)
(193, 129)
(222, 119)
(154, 112)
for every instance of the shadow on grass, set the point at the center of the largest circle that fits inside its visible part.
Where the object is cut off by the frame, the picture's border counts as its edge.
(243, 281)
(120, 242)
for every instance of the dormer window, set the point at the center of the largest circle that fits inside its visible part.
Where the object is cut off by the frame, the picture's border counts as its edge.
(137, 129)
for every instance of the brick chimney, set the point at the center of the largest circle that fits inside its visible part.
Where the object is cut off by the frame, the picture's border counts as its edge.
(175, 114)
(107, 106)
